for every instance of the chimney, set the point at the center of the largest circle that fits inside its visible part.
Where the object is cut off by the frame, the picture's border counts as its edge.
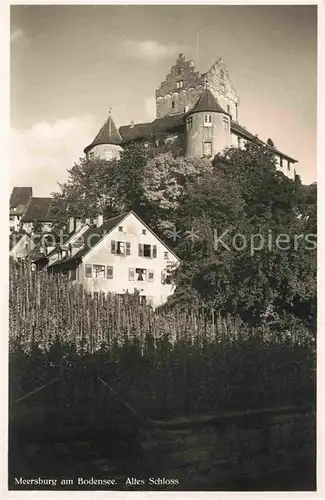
(78, 223)
(131, 124)
(100, 220)
(71, 225)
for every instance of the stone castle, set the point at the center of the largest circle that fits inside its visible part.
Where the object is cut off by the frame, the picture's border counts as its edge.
(200, 111)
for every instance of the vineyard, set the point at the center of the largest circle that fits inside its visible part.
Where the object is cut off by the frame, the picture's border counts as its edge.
(162, 363)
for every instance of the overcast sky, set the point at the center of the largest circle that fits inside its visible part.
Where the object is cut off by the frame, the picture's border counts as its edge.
(69, 64)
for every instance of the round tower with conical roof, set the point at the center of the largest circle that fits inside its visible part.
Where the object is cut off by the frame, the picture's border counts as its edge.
(107, 143)
(207, 127)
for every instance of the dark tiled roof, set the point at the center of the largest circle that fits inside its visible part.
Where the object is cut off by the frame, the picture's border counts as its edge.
(147, 130)
(37, 210)
(243, 132)
(20, 196)
(92, 236)
(108, 134)
(207, 102)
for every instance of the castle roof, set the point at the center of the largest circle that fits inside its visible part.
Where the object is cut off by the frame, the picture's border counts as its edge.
(207, 103)
(108, 134)
(147, 130)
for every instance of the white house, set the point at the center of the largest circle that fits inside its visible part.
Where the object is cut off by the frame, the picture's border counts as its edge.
(20, 245)
(118, 255)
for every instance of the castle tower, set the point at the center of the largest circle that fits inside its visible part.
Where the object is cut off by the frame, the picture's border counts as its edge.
(181, 89)
(207, 127)
(107, 143)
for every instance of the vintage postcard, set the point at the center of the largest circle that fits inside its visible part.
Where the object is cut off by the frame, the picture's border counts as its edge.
(162, 235)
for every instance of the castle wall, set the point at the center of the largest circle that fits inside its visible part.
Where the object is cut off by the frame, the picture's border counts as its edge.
(104, 151)
(178, 101)
(218, 134)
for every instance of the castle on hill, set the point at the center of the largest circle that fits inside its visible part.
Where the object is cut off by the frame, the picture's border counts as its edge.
(200, 111)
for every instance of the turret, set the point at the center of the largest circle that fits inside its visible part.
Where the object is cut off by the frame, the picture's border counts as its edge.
(107, 143)
(207, 127)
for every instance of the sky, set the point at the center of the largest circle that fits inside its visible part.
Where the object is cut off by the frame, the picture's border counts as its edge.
(70, 63)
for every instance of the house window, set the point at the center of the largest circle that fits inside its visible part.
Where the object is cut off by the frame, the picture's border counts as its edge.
(109, 272)
(208, 120)
(108, 154)
(228, 109)
(289, 165)
(91, 155)
(281, 161)
(149, 251)
(88, 270)
(166, 255)
(173, 104)
(144, 231)
(120, 229)
(26, 246)
(239, 141)
(150, 300)
(73, 274)
(207, 148)
(190, 123)
(12, 218)
(98, 271)
(151, 276)
(143, 299)
(131, 274)
(140, 274)
(166, 278)
(121, 247)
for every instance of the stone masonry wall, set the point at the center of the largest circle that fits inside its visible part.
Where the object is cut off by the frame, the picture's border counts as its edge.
(268, 450)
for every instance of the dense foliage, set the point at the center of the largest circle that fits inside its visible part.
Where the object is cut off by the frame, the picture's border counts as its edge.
(263, 268)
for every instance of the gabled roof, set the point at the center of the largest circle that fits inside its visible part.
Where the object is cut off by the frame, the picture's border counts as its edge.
(108, 134)
(207, 102)
(20, 196)
(243, 132)
(147, 130)
(37, 210)
(14, 239)
(95, 234)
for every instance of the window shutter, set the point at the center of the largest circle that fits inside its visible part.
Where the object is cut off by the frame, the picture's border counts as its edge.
(128, 248)
(163, 276)
(113, 246)
(154, 251)
(131, 274)
(140, 250)
(88, 271)
(109, 272)
(151, 276)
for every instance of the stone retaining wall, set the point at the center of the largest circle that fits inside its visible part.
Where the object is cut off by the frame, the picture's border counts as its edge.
(259, 450)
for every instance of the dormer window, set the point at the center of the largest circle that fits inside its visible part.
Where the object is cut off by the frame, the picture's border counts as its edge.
(208, 120)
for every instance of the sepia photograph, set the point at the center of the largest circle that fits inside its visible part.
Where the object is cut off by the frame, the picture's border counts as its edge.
(162, 248)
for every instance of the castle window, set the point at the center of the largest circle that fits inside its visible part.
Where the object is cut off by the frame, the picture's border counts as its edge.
(180, 84)
(180, 71)
(108, 155)
(190, 123)
(208, 120)
(173, 104)
(226, 123)
(207, 148)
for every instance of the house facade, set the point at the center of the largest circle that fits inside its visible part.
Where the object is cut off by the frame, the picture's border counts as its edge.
(19, 199)
(20, 246)
(120, 255)
(199, 111)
